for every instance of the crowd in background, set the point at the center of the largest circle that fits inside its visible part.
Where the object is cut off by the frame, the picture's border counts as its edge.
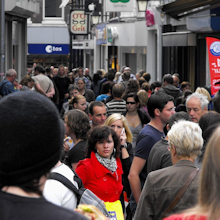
(127, 138)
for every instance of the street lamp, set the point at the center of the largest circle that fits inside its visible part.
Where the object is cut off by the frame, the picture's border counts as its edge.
(95, 9)
(95, 17)
(142, 5)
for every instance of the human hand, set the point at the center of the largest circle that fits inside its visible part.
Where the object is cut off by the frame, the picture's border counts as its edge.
(66, 147)
(123, 137)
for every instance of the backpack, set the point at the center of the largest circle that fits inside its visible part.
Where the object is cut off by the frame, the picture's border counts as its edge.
(84, 196)
(1, 87)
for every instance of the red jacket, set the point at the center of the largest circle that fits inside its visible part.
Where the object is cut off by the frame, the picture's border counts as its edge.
(107, 186)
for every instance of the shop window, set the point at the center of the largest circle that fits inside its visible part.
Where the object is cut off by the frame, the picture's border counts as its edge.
(52, 14)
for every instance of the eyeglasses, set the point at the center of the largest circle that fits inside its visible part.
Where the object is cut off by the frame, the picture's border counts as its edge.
(132, 103)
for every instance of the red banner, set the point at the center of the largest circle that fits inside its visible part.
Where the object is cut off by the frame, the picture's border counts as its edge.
(213, 46)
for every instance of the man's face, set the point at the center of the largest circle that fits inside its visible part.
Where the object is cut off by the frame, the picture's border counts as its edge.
(80, 72)
(167, 112)
(13, 77)
(61, 71)
(176, 81)
(194, 109)
(99, 115)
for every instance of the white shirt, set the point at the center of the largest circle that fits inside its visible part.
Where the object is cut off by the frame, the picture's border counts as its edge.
(58, 194)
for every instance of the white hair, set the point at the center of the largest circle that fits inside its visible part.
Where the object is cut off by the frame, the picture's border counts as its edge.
(202, 98)
(186, 136)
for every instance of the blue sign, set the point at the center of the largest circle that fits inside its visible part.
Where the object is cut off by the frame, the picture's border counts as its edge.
(48, 48)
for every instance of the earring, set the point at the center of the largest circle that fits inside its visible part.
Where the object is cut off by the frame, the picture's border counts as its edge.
(97, 151)
(114, 151)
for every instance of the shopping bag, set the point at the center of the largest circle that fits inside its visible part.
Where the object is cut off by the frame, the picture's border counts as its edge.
(115, 210)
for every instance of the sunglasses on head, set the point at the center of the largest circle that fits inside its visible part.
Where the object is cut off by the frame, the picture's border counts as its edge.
(132, 103)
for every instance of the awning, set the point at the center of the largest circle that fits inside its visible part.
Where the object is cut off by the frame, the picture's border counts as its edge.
(182, 8)
(179, 39)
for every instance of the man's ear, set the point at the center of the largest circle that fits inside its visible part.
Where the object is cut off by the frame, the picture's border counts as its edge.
(167, 127)
(90, 116)
(156, 112)
(173, 150)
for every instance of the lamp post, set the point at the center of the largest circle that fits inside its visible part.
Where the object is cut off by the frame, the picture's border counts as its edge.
(142, 5)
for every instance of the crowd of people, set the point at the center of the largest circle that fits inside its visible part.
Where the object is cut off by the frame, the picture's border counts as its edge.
(152, 147)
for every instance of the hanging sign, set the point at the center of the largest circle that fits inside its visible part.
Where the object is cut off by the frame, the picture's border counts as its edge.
(78, 22)
(213, 47)
(119, 5)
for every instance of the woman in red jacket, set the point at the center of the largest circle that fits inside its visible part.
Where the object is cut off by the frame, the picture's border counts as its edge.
(102, 171)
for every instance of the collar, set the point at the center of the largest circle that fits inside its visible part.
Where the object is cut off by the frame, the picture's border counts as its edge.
(100, 170)
(185, 163)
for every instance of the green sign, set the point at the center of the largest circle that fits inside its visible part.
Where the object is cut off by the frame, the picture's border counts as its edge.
(109, 35)
(116, 1)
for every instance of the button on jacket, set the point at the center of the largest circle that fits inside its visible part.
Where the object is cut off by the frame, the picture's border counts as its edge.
(101, 181)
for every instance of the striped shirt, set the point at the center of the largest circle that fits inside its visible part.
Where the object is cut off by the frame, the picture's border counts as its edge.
(116, 106)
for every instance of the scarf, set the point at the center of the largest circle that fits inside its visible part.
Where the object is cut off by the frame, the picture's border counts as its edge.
(110, 164)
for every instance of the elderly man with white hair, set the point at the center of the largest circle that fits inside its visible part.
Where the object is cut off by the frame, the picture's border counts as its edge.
(196, 106)
(174, 188)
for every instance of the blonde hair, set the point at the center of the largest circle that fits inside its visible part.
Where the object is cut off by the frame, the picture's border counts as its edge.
(204, 92)
(186, 136)
(143, 97)
(114, 117)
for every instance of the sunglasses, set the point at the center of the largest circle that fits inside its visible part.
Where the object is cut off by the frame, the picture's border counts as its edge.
(132, 103)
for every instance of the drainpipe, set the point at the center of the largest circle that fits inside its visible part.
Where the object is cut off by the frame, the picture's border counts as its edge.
(2, 38)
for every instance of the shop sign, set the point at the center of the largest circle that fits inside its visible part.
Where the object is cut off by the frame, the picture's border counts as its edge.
(213, 46)
(119, 5)
(48, 48)
(78, 22)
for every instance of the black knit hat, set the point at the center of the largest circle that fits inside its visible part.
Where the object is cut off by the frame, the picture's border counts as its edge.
(31, 137)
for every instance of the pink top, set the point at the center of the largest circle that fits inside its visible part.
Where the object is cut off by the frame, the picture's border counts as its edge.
(181, 217)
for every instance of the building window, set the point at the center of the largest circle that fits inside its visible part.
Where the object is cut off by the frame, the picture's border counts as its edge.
(52, 14)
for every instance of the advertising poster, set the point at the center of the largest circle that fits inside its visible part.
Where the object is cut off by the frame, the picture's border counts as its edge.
(213, 47)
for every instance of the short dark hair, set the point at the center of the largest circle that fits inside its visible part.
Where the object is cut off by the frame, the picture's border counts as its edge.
(141, 81)
(178, 116)
(154, 85)
(73, 87)
(40, 69)
(93, 104)
(101, 133)
(168, 78)
(157, 101)
(147, 76)
(78, 123)
(110, 76)
(118, 91)
(184, 84)
(132, 95)
(48, 70)
(145, 86)
(105, 87)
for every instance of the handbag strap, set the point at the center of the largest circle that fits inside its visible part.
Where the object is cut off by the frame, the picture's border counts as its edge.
(181, 192)
(64, 181)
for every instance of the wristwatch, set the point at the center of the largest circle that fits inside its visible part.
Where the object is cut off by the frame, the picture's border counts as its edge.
(125, 145)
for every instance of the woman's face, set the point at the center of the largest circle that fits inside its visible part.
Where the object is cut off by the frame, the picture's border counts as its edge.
(117, 126)
(80, 84)
(105, 148)
(81, 105)
(66, 126)
(131, 104)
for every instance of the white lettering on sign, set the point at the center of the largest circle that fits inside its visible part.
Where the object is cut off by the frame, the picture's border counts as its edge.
(50, 49)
